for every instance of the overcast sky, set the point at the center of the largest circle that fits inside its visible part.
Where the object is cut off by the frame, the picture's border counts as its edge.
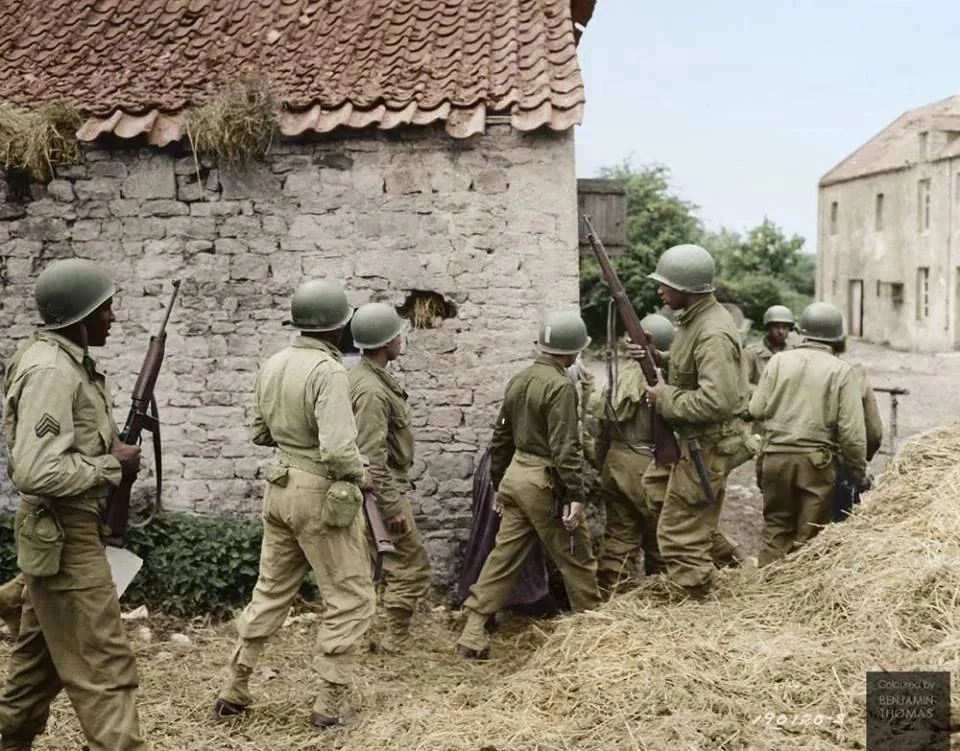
(750, 102)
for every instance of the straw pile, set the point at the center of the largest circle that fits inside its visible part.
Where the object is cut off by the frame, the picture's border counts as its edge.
(793, 640)
(236, 124)
(34, 141)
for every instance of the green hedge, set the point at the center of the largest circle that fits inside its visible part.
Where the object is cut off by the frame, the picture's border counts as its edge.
(192, 565)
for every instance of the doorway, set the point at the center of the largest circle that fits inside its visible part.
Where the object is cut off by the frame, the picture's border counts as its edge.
(855, 312)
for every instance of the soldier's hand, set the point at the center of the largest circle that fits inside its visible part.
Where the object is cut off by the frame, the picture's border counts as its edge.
(573, 515)
(654, 392)
(128, 456)
(397, 525)
(497, 505)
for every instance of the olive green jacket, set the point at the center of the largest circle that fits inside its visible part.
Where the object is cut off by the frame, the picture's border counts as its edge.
(809, 399)
(383, 433)
(301, 405)
(539, 416)
(871, 413)
(58, 424)
(706, 385)
(627, 419)
(756, 356)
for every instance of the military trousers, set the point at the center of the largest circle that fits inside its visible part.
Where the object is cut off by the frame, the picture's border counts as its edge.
(630, 520)
(526, 496)
(295, 540)
(687, 527)
(406, 573)
(798, 500)
(71, 638)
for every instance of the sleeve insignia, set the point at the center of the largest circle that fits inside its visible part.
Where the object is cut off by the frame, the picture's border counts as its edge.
(46, 425)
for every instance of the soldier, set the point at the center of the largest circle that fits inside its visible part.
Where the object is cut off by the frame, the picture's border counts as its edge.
(64, 458)
(707, 390)
(779, 322)
(810, 402)
(625, 446)
(537, 462)
(386, 440)
(311, 507)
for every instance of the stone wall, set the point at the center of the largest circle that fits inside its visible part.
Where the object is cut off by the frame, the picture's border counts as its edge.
(489, 224)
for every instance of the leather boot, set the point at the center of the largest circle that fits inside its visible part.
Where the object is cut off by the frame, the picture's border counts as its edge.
(235, 696)
(327, 705)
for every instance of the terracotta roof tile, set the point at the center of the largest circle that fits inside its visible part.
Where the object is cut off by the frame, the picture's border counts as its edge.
(134, 65)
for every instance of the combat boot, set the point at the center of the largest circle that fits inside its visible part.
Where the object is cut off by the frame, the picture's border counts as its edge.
(235, 696)
(327, 705)
(397, 639)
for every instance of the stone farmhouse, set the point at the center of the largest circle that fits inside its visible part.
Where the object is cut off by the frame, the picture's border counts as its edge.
(423, 155)
(889, 233)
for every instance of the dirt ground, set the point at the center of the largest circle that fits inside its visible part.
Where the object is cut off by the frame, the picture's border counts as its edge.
(933, 400)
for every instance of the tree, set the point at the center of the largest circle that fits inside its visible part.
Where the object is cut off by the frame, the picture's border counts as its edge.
(656, 219)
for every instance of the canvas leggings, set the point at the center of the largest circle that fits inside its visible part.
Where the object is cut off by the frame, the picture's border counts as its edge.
(798, 491)
(295, 539)
(406, 573)
(71, 638)
(525, 493)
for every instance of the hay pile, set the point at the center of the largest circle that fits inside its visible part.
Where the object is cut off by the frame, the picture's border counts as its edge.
(877, 592)
(33, 141)
(235, 125)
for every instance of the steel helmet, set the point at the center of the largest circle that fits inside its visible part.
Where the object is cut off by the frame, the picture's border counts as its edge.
(374, 325)
(778, 314)
(660, 329)
(822, 322)
(686, 268)
(319, 305)
(563, 332)
(69, 290)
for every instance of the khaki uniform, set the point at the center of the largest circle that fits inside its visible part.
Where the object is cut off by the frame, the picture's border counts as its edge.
(302, 407)
(11, 606)
(384, 437)
(810, 403)
(871, 412)
(536, 442)
(705, 393)
(628, 450)
(757, 355)
(58, 424)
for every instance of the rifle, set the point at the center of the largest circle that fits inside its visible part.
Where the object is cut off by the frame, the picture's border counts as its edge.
(378, 530)
(118, 503)
(666, 451)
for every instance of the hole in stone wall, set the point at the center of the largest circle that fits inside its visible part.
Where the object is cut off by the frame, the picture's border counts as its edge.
(425, 308)
(18, 186)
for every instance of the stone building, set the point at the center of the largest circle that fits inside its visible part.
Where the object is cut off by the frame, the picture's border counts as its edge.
(425, 157)
(889, 233)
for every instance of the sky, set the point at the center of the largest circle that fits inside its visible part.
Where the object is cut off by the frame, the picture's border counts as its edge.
(750, 102)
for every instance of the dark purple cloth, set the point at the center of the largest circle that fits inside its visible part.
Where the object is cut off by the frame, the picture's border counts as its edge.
(532, 592)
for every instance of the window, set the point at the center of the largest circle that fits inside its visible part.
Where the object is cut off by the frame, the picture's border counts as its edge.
(923, 205)
(834, 211)
(896, 293)
(878, 213)
(923, 147)
(956, 191)
(879, 287)
(923, 293)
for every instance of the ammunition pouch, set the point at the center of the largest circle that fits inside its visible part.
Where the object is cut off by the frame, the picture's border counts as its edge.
(343, 502)
(40, 540)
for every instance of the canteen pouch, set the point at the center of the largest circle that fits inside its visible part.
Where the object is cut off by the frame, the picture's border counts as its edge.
(342, 503)
(278, 474)
(40, 542)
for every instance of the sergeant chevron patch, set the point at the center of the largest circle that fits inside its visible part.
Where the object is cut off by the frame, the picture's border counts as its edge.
(46, 425)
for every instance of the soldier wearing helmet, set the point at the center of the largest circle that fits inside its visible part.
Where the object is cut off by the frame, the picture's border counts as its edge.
(705, 394)
(537, 457)
(810, 403)
(386, 440)
(311, 508)
(778, 322)
(64, 459)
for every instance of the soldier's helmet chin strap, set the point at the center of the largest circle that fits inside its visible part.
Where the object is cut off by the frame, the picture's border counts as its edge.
(88, 365)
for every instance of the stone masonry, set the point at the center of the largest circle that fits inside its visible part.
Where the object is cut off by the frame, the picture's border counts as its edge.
(489, 224)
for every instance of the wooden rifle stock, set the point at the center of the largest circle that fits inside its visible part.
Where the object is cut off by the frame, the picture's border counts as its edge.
(666, 451)
(378, 531)
(142, 416)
